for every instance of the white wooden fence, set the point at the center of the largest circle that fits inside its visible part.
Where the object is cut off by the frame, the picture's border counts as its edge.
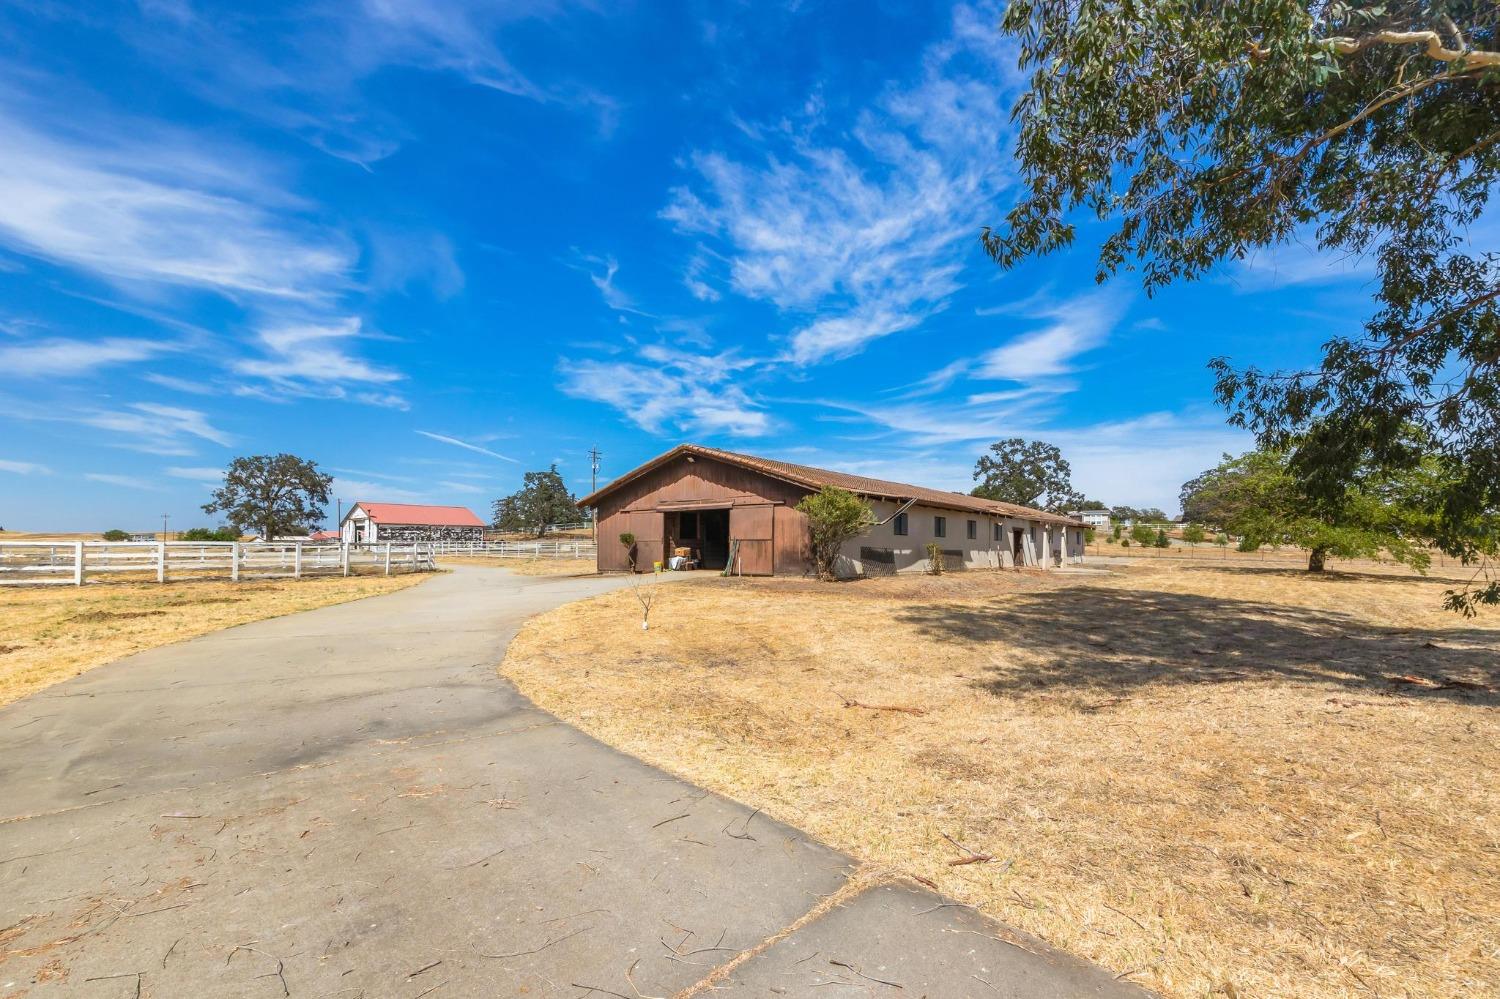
(72, 563)
(517, 549)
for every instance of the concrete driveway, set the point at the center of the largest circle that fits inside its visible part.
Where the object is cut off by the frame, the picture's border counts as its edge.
(349, 802)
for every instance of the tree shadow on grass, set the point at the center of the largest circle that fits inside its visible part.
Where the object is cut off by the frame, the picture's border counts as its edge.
(1111, 641)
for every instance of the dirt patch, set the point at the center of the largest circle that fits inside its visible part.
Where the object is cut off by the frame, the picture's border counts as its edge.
(1211, 780)
(528, 566)
(94, 617)
(67, 630)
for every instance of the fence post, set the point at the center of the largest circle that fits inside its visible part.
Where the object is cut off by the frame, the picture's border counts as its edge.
(414, 547)
(344, 557)
(161, 561)
(234, 562)
(387, 558)
(297, 560)
(78, 563)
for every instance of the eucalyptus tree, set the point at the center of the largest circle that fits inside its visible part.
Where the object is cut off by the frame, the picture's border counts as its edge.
(1203, 132)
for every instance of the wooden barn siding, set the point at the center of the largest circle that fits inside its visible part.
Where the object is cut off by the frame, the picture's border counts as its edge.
(633, 508)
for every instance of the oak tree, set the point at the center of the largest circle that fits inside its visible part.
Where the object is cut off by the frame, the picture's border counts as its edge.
(273, 495)
(1027, 473)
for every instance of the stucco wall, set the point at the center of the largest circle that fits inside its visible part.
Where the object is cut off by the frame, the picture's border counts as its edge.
(1044, 545)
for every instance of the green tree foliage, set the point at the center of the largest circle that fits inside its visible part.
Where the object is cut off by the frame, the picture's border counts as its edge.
(1370, 127)
(1142, 535)
(1193, 535)
(1382, 513)
(272, 495)
(542, 500)
(627, 540)
(116, 534)
(1139, 515)
(209, 534)
(1161, 540)
(1028, 473)
(834, 517)
(1200, 495)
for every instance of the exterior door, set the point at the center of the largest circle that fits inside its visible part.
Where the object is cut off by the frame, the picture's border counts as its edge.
(751, 526)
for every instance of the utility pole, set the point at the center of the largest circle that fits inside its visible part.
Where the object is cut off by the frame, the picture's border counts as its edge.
(594, 455)
(164, 525)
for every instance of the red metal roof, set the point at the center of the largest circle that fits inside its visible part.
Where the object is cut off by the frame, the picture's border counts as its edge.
(418, 514)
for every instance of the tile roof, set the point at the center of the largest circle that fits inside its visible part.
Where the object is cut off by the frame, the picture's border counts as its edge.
(418, 514)
(816, 478)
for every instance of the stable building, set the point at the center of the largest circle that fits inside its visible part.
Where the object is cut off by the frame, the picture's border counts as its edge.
(378, 523)
(722, 506)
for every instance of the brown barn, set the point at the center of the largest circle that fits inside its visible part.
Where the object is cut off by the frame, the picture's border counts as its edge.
(716, 502)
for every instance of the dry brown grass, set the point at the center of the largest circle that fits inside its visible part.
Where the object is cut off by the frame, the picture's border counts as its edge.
(527, 566)
(50, 634)
(1202, 778)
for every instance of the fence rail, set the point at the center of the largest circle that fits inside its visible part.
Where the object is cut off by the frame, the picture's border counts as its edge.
(72, 563)
(517, 549)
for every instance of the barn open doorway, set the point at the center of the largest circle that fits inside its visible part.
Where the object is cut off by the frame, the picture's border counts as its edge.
(706, 532)
(1017, 547)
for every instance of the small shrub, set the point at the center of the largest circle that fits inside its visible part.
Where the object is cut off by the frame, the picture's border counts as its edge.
(1221, 539)
(116, 535)
(1124, 542)
(209, 534)
(1162, 541)
(1143, 535)
(1116, 530)
(934, 558)
(1247, 545)
(834, 516)
(1088, 535)
(627, 539)
(1193, 535)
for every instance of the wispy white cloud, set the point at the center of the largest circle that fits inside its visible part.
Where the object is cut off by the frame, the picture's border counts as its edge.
(150, 427)
(861, 239)
(59, 356)
(460, 487)
(23, 467)
(313, 352)
(445, 439)
(676, 390)
(139, 213)
(304, 70)
(360, 490)
(1074, 326)
(123, 481)
(1297, 263)
(601, 272)
(197, 474)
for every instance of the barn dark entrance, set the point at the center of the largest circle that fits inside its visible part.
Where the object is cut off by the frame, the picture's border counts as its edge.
(706, 532)
(1017, 547)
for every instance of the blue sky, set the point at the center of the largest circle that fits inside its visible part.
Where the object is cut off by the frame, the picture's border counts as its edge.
(432, 245)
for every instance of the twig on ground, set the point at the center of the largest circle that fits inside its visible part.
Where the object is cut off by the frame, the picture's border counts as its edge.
(137, 975)
(280, 965)
(850, 702)
(672, 819)
(974, 856)
(861, 974)
(746, 833)
(537, 950)
(425, 967)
